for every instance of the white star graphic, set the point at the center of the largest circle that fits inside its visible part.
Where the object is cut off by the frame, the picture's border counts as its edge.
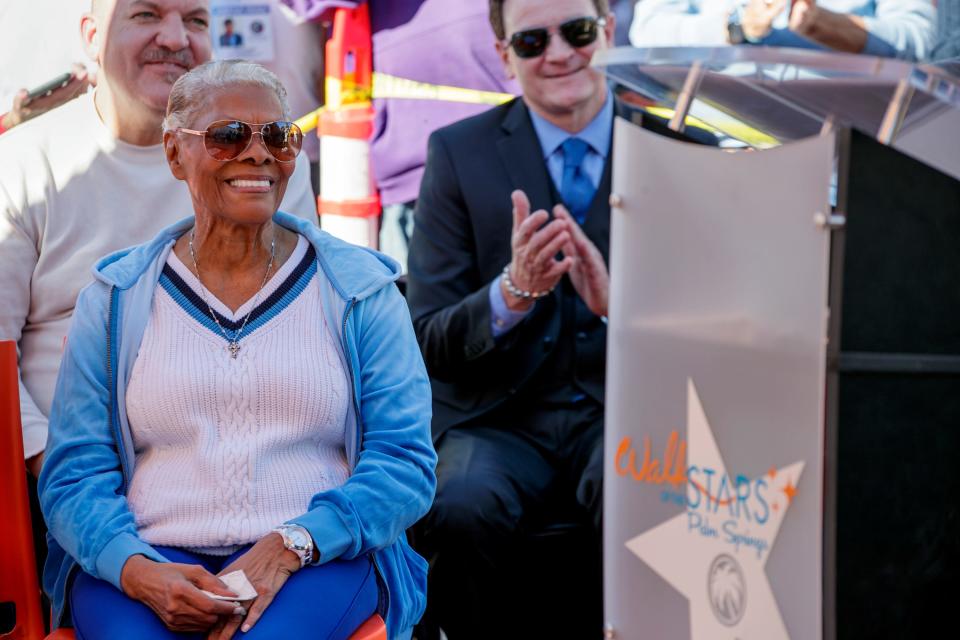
(693, 551)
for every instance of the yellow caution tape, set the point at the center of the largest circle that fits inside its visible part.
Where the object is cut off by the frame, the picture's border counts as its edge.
(387, 86)
(345, 92)
(733, 128)
(341, 93)
(309, 122)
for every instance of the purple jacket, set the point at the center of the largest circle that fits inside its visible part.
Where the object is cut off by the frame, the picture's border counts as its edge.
(445, 42)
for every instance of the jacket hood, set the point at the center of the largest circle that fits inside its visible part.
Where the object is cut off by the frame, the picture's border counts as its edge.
(354, 271)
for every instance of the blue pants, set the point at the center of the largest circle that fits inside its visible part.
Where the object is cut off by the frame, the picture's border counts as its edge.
(327, 601)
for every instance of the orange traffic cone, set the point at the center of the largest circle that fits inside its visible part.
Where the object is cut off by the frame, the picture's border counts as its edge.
(349, 203)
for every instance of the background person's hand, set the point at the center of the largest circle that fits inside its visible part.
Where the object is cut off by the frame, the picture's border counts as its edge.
(533, 266)
(839, 31)
(589, 272)
(804, 17)
(172, 591)
(267, 566)
(24, 109)
(35, 464)
(757, 17)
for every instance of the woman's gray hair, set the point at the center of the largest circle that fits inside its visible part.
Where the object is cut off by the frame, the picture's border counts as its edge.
(188, 94)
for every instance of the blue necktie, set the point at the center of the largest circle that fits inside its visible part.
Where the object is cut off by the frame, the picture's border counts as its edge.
(576, 189)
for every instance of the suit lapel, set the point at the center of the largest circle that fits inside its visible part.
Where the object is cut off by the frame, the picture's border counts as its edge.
(522, 156)
(597, 223)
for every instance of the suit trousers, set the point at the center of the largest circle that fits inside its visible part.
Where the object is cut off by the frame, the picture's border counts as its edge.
(497, 482)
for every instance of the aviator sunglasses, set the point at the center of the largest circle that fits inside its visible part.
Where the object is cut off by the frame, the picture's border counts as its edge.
(578, 32)
(226, 139)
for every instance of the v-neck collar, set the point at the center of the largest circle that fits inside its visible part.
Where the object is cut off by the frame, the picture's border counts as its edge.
(280, 275)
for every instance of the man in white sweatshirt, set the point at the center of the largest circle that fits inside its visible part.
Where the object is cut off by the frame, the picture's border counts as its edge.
(90, 178)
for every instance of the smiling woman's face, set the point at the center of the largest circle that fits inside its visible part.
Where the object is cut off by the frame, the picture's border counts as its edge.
(247, 189)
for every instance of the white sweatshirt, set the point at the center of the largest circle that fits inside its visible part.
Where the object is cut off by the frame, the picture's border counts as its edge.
(71, 193)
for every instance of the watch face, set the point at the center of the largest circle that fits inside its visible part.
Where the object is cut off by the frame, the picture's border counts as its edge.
(735, 33)
(298, 538)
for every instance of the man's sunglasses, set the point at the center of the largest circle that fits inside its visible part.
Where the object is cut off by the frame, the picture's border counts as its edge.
(226, 139)
(578, 32)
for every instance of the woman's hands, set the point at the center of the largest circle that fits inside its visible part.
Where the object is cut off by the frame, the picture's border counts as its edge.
(172, 590)
(267, 566)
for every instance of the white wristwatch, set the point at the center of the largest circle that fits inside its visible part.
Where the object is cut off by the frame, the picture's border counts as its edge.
(298, 540)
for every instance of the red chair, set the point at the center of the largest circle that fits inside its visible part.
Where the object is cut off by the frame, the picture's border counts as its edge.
(18, 577)
(372, 629)
(18, 574)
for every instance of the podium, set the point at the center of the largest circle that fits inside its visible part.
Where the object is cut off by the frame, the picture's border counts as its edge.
(783, 384)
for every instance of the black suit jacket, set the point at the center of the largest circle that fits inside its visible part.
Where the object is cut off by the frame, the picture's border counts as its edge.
(461, 242)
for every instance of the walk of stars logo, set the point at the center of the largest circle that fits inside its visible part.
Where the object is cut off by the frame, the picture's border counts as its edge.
(715, 552)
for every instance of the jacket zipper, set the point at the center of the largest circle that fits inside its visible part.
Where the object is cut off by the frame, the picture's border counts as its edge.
(383, 604)
(112, 384)
(353, 386)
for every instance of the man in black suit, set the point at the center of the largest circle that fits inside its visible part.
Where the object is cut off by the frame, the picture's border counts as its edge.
(510, 308)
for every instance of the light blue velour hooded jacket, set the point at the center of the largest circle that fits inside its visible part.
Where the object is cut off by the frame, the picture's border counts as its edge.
(90, 456)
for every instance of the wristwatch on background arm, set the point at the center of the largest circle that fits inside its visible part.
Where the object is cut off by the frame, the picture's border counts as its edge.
(298, 540)
(735, 33)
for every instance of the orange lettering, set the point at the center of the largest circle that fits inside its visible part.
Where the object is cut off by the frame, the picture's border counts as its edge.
(654, 471)
(622, 450)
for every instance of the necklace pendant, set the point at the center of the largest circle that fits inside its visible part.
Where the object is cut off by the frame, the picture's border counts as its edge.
(234, 349)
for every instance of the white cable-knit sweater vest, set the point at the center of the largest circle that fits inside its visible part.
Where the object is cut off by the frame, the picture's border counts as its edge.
(226, 449)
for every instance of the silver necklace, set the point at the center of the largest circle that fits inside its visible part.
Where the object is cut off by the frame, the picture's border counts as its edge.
(233, 346)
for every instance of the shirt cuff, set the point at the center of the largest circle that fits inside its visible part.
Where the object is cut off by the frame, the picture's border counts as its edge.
(789, 39)
(876, 46)
(502, 319)
(331, 539)
(34, 440)
(113, 557)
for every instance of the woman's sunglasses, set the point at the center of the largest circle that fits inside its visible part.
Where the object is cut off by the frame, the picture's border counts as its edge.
(226, 139)
(578, 32)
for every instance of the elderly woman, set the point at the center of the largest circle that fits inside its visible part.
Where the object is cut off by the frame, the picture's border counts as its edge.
(244, 392)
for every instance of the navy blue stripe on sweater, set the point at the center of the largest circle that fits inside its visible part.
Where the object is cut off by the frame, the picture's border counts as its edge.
(288, 291)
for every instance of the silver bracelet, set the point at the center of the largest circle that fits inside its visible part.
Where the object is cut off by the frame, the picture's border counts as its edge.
(520, 293)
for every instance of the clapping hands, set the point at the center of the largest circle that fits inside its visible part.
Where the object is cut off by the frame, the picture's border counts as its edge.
(588, 273)
(534, 245)
(534, 265)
